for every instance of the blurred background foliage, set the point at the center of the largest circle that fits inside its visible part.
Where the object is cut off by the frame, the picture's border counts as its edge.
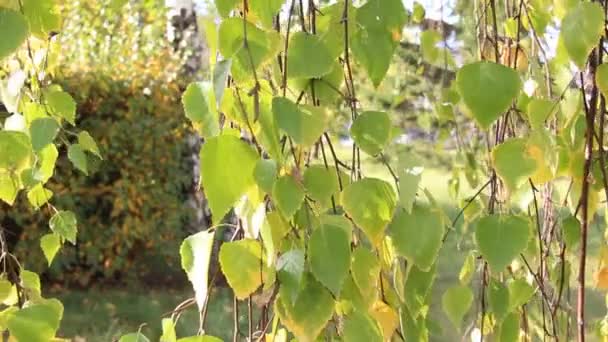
(127, 80)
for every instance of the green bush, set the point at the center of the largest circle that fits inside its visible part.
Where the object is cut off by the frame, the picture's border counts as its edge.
(132, 206)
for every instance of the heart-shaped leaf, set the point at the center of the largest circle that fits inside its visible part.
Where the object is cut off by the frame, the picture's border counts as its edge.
(501, 238)
(487, 89)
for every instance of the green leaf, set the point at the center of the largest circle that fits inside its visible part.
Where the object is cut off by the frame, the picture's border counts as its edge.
(514, 174)
(304, 124)
(539, 110)
(31, 281)
(36, 323)
(520, 292)
(601, 78)
(266, 10)
(370, 203)
(456, 302)
(273, 231)
(265, 174)
(571, 231)
(418, 13)
(13, 30)
(168, 330)
(199, 107)
(43, 17)
(61, 104)
(373, 49)
(262, 45)
(288, 195)
(15, 151)
(310, 312)
(227, 166)
(468, 269)
(43, 131)
(360, 327)
(389, 15)
(241, 263)
(307, 57)
(134, 337)
(417, 235)
(205, 338)
(371, 131)
(500, 86)
(509, 329)
(417, 289)
(195, 253)
(38, 196)
(224, 7)
(321, 184)
(581, 30)
(428, 45)
(46, 163)
(9, 187)
(63, 223)
(290, 268)
(78, 158)
(86, 141)
(50, 244)
(498, 298)
(501, 238)
(221, 71)
(373, 45)
(365, 269)
(329, 254)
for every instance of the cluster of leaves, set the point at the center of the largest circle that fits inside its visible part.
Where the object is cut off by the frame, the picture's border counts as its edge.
(40, 126)
(341, 255)
(134, 206)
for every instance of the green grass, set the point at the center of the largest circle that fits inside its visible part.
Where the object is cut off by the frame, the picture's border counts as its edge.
(106, 314)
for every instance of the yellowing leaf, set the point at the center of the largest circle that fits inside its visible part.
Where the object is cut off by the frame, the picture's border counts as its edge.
(387, 317)
(241, 263)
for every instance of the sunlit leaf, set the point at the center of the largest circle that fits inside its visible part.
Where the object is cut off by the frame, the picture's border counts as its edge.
(36, 323)
(370, 203)
(513, 174)
(63, 223)
(38, 196)
(241, 263)
(13, 30)
(227, 166)
(199, 106)
(581, 30)
(61, 104)
(310, 312)
(50, 244)
(304, 124)
(195, 253)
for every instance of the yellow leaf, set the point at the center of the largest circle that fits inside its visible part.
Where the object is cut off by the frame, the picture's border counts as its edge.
(601, 278)
(386, 317)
